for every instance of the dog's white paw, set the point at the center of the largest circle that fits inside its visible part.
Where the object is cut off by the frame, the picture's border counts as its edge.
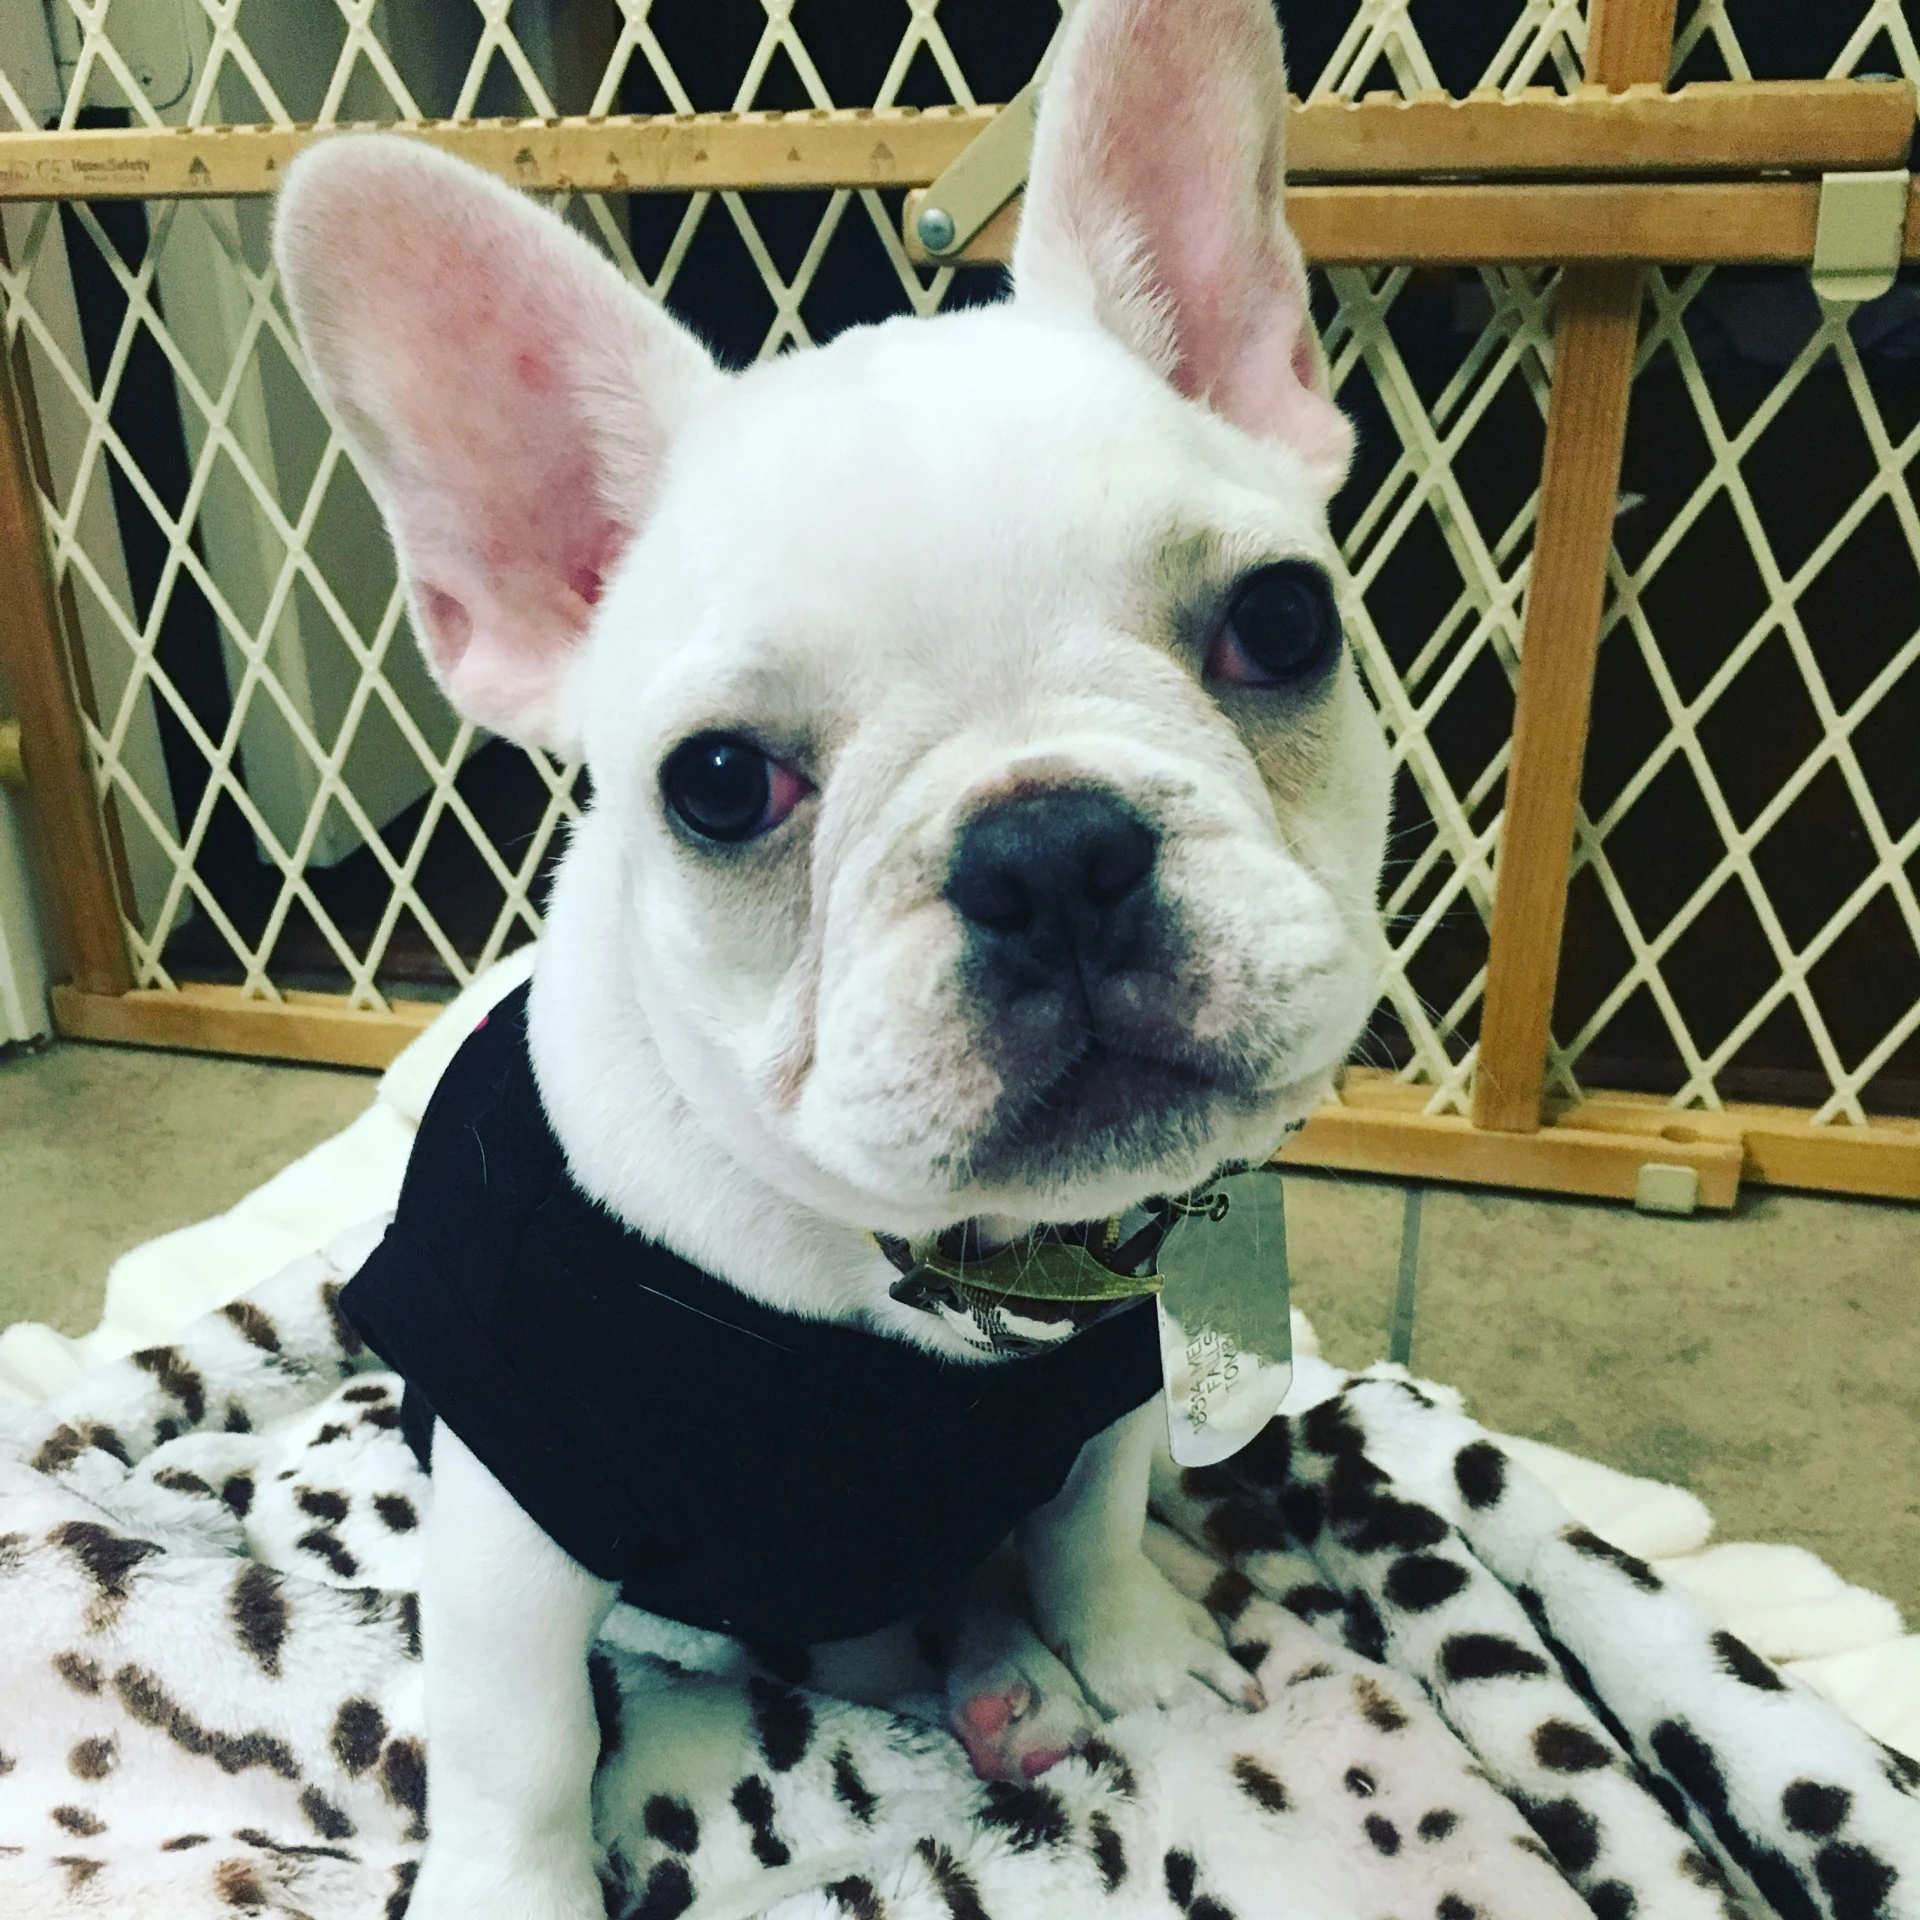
(1014, 1707)
(1135, 1641)
(473, 1883)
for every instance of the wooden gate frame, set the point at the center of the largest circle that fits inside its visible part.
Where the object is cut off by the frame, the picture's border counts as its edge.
(1604, 181)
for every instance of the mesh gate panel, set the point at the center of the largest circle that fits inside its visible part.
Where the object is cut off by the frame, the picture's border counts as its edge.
(292, 805)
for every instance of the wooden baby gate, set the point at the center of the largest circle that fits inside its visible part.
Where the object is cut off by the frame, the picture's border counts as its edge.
(1573, 209)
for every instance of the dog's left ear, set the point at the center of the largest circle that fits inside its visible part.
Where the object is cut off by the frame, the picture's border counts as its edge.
(1154, 206)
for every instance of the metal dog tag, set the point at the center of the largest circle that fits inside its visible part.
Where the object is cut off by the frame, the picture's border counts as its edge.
(1226, 1332)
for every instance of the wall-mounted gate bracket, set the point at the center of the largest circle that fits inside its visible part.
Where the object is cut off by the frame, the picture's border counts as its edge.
(1857, 241)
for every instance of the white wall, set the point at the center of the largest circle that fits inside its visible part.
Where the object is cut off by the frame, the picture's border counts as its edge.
(23, 971)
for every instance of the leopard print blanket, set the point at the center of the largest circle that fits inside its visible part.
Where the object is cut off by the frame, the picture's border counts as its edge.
(210, 1698)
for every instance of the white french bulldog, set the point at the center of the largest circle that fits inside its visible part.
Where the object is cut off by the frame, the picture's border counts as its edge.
(986, 814)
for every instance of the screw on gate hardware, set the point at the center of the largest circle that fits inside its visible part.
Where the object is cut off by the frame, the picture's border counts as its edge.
(935, 228)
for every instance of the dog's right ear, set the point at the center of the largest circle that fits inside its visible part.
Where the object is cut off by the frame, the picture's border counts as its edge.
(511, 398)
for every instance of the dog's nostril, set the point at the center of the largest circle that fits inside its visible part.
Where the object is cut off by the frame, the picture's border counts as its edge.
(993, 898)
(1023, 862)
(1118, 860)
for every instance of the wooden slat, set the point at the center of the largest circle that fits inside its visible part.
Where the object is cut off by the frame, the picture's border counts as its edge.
(1778, 127)
(1878, 1162)
(1629, 42)
(1387, 1132)
(1597, 325)
(1681, 223)
(1803, 126)
(634, 153)
(1594, 339)
(321, 1029)
(1418, 1146)
(1783, 1146)
(53, 749)
(1739, 223)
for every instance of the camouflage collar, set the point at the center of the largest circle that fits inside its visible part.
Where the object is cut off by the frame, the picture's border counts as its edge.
(1034, 1292)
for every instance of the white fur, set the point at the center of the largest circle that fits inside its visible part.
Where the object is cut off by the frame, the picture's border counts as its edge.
(930, 564)
(510, 1618)
(1130, 1636)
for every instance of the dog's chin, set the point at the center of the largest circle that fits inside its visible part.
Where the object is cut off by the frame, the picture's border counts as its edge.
(1095, 1134)
(1112, 1128)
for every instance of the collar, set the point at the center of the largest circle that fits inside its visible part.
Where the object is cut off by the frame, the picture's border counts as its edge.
(1041, 1289)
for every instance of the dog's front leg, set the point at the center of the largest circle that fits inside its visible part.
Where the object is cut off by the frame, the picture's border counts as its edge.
(506, 1620)
(1101, 1604)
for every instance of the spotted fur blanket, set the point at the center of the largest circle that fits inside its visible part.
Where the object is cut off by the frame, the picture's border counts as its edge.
(210, 1694)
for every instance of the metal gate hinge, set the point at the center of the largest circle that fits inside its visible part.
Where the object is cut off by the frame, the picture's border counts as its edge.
(937, 224)
(992, 169)
(1858, 239)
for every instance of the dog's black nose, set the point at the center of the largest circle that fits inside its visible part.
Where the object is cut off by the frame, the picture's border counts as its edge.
(1056, 877)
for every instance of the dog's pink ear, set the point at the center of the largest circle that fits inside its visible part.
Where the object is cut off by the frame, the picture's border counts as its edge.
(512, 399)
(1154, 204)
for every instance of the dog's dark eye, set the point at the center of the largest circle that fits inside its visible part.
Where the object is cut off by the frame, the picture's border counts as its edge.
(1281, 627)
(725, 788)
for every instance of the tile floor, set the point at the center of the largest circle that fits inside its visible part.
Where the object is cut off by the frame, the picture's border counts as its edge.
(104, 1147)
(1769, 1360)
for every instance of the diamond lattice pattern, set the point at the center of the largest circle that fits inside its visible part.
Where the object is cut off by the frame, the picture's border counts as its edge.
(292, 805)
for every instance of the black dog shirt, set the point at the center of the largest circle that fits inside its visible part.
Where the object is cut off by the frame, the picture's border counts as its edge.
(755, 1472)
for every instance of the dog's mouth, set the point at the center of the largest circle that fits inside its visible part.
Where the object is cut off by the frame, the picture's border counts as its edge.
(1100, 1106)
(1103, 1086)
